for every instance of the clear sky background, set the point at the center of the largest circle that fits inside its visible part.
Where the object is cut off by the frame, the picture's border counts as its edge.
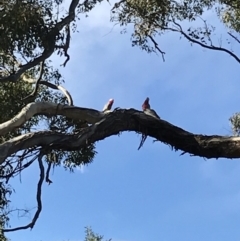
(152, 194)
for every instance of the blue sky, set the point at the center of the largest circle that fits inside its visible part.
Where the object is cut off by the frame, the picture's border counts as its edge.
(154, 193)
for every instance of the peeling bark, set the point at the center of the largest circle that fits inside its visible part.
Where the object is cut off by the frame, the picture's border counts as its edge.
(113, 123)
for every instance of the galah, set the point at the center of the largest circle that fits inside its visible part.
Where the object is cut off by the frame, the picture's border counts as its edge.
(147, 109)
(108, 106)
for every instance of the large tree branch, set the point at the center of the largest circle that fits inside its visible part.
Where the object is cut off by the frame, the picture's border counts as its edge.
(127, 120)
(48, 51)
(50, 109)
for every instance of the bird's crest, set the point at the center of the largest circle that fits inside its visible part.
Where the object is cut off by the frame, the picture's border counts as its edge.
(110, 103)
(108, 106)
(146, 104)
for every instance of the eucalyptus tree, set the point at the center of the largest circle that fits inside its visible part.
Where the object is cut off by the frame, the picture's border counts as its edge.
(32, 92)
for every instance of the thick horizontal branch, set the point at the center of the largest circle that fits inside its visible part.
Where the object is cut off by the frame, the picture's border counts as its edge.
(50, 109)
(128, 120)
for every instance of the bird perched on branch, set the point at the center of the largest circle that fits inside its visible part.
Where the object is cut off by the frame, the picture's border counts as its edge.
(147, 109)
(107, 107)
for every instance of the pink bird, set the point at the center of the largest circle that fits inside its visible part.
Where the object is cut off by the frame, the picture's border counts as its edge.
(108, 106)
(147, 109)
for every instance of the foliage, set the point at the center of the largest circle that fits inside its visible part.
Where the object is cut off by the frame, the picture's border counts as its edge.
(91, 236)
(235, 123)
(230, 14)
(153, 17)
(28, 30)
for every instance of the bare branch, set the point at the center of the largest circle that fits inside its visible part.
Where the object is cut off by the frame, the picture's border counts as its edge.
(127, 120)
(234, 37)
(66, 46)
(47, 173)
(39, 189)
(66, 93)
(21, 212)
(156, 46)
(39, 202)
(20, 167)
(212, 47)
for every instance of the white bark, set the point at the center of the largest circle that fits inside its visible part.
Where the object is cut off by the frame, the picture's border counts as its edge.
(50, 109)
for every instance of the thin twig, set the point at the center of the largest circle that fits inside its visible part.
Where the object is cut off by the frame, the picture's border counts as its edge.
(116, 5)
(234, 37)
(66, 46)
(156, 46)
(47, 173)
